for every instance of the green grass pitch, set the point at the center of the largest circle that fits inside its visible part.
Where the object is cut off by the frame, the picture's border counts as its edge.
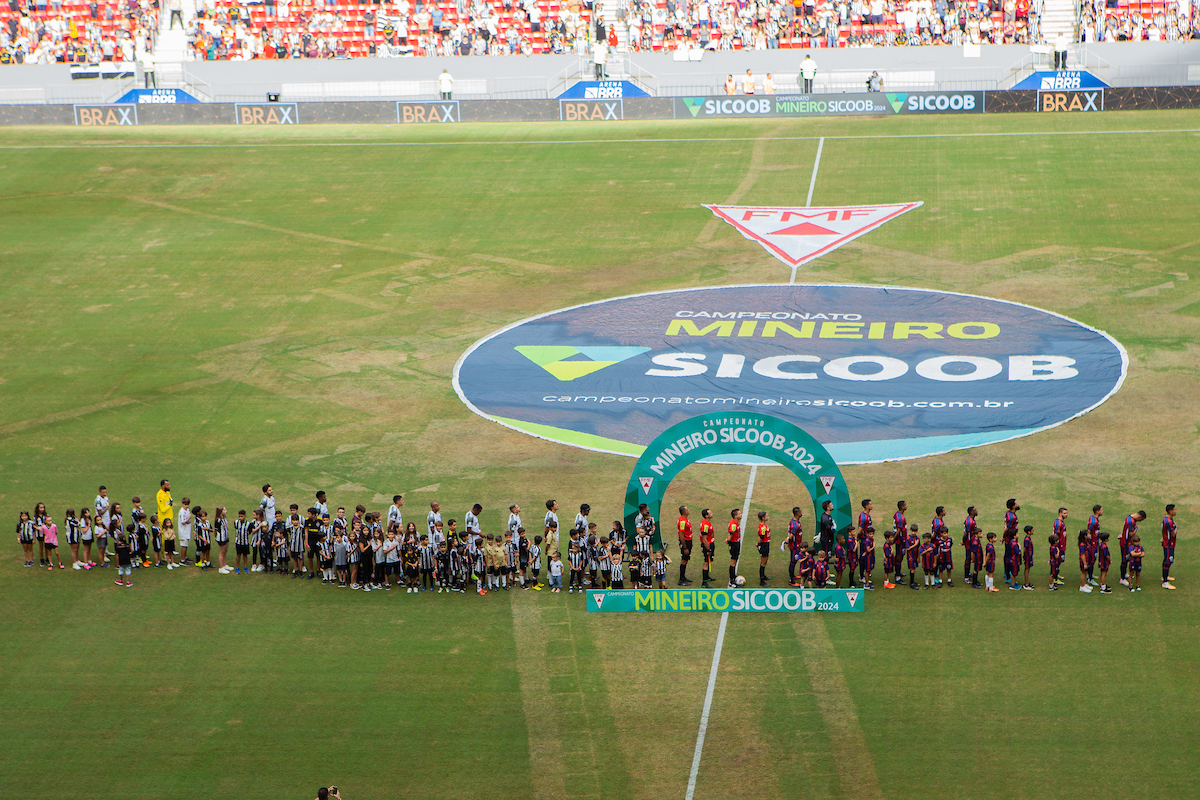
(227, 307)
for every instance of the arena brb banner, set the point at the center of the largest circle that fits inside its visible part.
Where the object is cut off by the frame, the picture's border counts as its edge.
(719, 600)
(874, 373)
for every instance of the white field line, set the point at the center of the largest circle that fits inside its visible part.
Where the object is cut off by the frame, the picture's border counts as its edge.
(812, 184)
(716, 660)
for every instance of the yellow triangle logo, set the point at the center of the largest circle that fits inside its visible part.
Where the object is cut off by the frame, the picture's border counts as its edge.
(570, 370)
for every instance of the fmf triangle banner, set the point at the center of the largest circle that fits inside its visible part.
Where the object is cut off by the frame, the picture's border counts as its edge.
(827, 482)
(798, 235)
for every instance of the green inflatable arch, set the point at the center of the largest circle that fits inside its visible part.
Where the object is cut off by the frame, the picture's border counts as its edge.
(736, 433)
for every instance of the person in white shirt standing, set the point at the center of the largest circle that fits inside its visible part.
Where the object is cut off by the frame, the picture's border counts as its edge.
(445, 84)
(514, 518)
(395, 516)
(471, 520)
(183, 530)
(432, 520)
(808, 71)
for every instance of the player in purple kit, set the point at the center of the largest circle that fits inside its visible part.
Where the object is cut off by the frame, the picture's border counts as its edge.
(866, 559)
(1060, 533)
(1093, 529)
(989, 563)
(1136, 553)
(1010, 539)
(944, 544)
(912, 550)
(889, 559)
(929, 561)
(1056, 559)
(820, 569)
(1128, 530)
(1083, 559)
(900, 524)
(839, 560)
(1105, 560)
(1015, 568)
(1027, 554)
(969, 541)
(1169, 530)
(852, 543)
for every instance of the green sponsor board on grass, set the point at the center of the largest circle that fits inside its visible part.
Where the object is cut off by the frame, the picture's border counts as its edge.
(755, 600)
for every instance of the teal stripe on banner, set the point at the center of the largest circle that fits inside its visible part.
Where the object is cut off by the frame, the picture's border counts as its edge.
(718, 600)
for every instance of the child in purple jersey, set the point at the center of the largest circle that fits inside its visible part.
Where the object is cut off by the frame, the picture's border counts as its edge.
(839, 560)
(989, 563)
(1027, 554)
(1136, 554)
(1083, 563)
(1104, 559)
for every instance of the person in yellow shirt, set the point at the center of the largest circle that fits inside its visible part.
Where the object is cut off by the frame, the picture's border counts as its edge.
(165, 503)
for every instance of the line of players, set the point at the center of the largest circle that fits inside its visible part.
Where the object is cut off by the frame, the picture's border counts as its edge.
(852, 551)
(361, 553)
(933, 551)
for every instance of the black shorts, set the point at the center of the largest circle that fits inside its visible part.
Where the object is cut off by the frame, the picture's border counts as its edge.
(735, 551)
(764, 549)
(51, 546)
(169, 545)
(157, 543)
(685, 549)
(393, 567)
(241, 549)
(708, 551)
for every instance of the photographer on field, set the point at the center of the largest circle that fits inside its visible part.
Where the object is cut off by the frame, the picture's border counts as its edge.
(325, 794)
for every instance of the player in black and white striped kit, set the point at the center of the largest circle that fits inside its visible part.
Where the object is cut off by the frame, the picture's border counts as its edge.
(296, 544)
(577, 559)
(25, 536)
(243, 529)
(616, 568)
(478, 560)
(428, 553)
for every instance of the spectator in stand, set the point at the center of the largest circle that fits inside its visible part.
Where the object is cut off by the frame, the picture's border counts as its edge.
(1060, 51)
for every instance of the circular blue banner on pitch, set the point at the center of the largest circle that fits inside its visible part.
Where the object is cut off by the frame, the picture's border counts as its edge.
(875, 373)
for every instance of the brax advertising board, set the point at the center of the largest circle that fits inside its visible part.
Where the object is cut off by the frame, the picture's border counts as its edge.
(875, 373)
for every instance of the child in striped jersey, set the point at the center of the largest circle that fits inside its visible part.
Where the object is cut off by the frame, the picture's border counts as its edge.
(603, 557)
(616, 569)
(523, 557)
(279, 547)
(353, 555)
(341, 558)
(576, 558)
(592, 555)
(72, 526)
(535, 562)
(661, 562)
(86, 537)
(325, 549)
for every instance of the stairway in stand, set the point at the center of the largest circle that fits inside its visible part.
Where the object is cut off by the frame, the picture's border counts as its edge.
(1058, 16)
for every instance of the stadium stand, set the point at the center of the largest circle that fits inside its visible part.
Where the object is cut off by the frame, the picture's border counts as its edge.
(75, 31)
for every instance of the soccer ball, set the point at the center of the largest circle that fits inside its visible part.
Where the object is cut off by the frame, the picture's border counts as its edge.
(740, 581)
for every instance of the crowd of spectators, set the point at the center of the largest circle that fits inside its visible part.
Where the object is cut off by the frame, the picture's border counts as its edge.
(1152, 21)
(282, 29)
(89, 31)
(76, 31)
